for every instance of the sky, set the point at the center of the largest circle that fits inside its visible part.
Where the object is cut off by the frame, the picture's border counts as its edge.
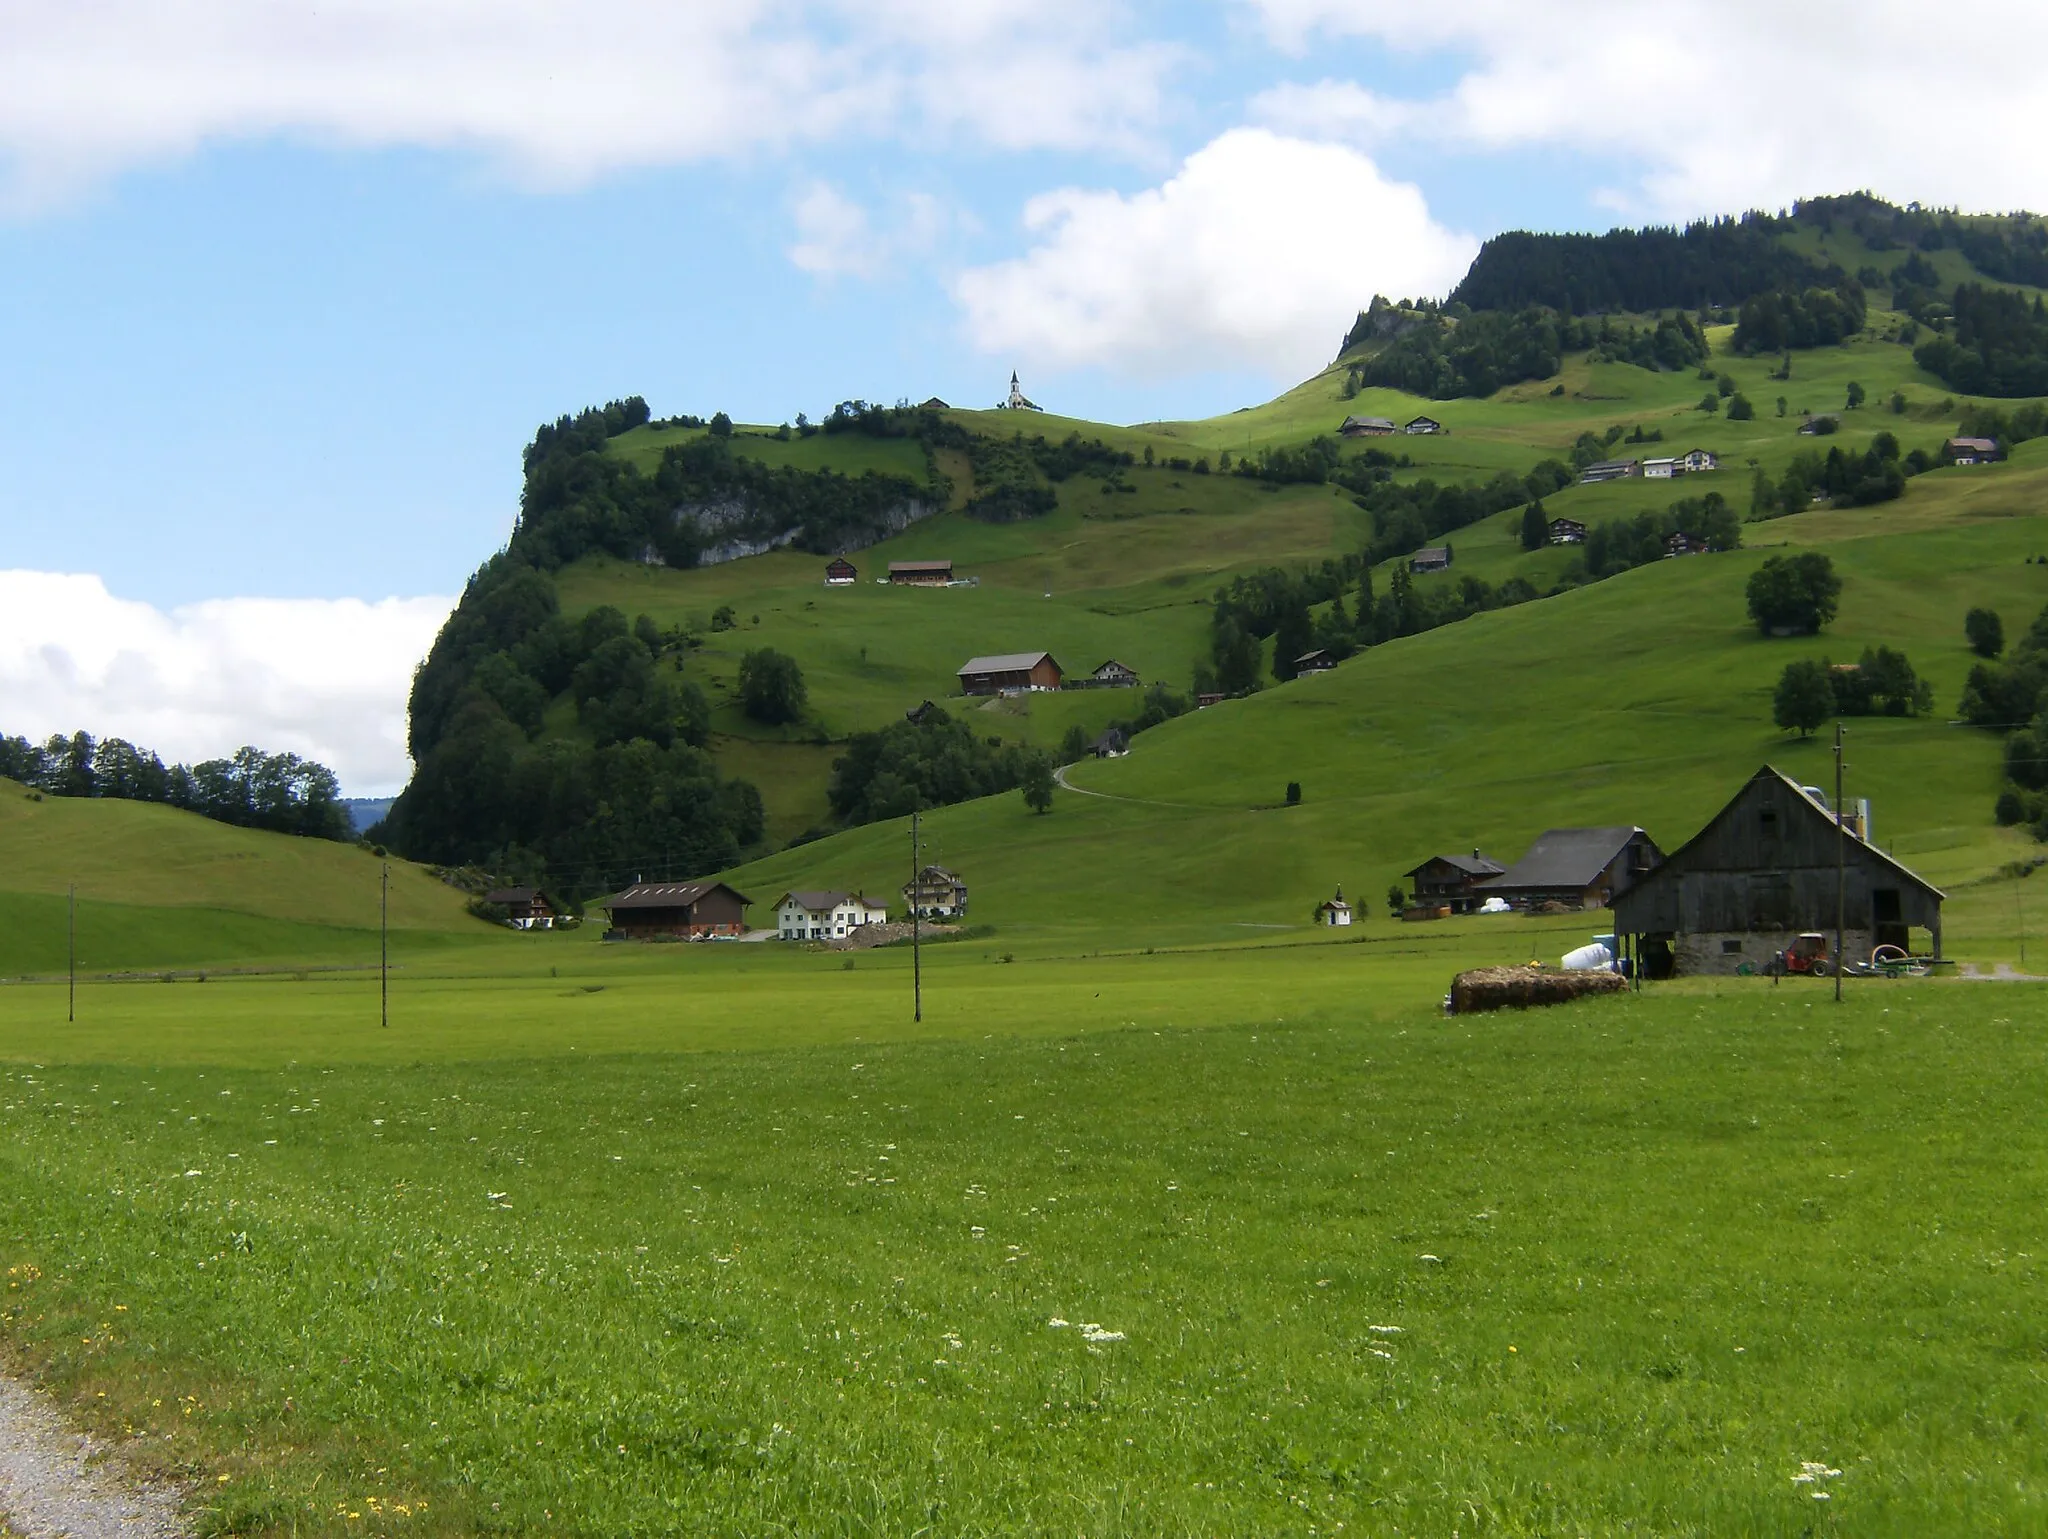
(285, 287)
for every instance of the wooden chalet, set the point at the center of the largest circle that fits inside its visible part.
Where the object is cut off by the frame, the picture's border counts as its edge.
(1113, 744)
(1208, 697)
(1367, 427)
(1679, 543)
(1762, 872)
(921, 574)
(840, 573)
(936, 894)
(1431, 558)
(1422, 425)
(526, 908)
(1566, 531)
(1452, 881)
(1113, 675)
(1696, 461)
(1318, 661)
(1971, 451)
(1009, 672)
(1577, 868)
(919, 714)
(675, 911)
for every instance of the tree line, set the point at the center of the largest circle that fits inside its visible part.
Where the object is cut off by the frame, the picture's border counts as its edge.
(1458, 351)
(279, 792)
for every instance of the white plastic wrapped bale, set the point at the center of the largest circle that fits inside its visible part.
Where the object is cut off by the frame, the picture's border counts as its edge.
(1496, 906)
(1595, 958)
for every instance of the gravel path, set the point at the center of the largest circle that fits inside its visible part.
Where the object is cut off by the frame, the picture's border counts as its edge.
(58, 1484)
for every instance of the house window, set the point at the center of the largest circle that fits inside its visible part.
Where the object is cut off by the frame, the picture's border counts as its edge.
(1769, 822)
(1731, 948)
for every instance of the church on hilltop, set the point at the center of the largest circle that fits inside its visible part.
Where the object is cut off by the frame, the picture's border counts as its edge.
(1017, 400)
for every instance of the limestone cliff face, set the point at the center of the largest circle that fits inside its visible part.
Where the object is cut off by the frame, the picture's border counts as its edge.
(712, 532)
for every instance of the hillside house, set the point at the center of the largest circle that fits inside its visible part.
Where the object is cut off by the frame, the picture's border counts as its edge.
(1366, 427)
(1679, 543)
(526, 908)
(1696, 461)
(1431, 558)
(1334, 912)
(935, 404)
(824, 915)
(921, 574)
(1576, 868)
(1609, 470)
(1207, 698)
(1113, 744)
(1113, 675)
(1318, 661)
(1009, 673)
(1762, 872)
(1566, 531)
(936, 894)
(1661, 469)
(1971, 451)
(1823, 422)
(840, 573)
(1422, 425)
(675, 911)
(1452, 881)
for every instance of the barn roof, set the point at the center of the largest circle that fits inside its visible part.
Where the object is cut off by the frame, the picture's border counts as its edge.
(1474, 864)
(921, 566)
(666, 895)
(1006, 662)
(1566, 858)
(514, 895)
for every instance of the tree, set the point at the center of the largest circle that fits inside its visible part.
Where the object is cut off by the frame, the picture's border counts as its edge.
(1794, 595)
(1074, 746)
(1855, 395)
(1710, 403)
(1898, 403)
(1781, 406)
(1535, 526)
(721, 426)
(1236, 651)
(771, 686)
(1725, 385)
(1038, 784)
(1397, 900)
(1291, 637)
(1985, 631)
(1294, 793)
(1805, 697)
(1739, 409)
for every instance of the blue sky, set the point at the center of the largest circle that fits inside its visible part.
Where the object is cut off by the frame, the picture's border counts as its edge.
(284, 289)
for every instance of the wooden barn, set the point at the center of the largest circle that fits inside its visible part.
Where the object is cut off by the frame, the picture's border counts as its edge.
(1762, 872)
(1577, 868)
(1007, 672)
(675, 911)
(1452, 881)
(526, 908)
(840, 573)
(921, 574)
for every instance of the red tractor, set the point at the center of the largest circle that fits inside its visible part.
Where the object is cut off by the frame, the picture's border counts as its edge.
(1805, 957)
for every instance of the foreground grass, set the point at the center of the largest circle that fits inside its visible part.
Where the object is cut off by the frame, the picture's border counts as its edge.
(1605, 1271)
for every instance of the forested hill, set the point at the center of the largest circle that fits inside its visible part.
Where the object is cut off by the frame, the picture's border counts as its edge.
(1706, 265)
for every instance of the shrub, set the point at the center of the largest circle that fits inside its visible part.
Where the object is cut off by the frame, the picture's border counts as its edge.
(1794, 594)
(1986, 632)
(1294, 793)
(771, 687)
(1804, 697)
(1740, 409)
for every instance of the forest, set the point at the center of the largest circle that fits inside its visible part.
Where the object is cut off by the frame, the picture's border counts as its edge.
(279, 792)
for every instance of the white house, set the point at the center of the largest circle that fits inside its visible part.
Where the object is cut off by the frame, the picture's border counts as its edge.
(1697, 460)
(824, 915)
(1659, 470)
(1334, 911)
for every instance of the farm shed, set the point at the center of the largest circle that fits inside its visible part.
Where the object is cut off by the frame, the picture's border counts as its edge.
(1422, 425)
(1577, 867)
(1431, 558)
(675, 911)
(1366, 427)
(1008, 671)
(936, 894)
(1762, 871)
(921, 574)
(1660, 469)
(1452, 881)
(526, 908)
(1609, 470)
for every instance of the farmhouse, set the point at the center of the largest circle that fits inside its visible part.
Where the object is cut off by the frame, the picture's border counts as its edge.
(1366, 427)
(1660, 469)
(1431, 558)
(921, 574)
(1113, 744)
(1452, 881)
(1680, 543)
(1577, 867)
(936, 894)
(1972, 451)
(1318, 661)
(526, 908)
(1762, 872)
(1825, 422)
(1113, 675)
(1008, 673)
(839, 572)
(675, 911)
(935, 404)
(1608, 470)
(1694, 461)
(1334, 911)
(824, 915)
(1422, 425)
(1567, 531)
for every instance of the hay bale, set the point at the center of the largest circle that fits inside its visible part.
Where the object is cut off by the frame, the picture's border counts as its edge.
(1517, 988)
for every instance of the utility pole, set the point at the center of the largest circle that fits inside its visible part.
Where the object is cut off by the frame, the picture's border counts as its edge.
(384, 948)
(2019, 912)
(1841, 865)
(71, 958)
(916, 929)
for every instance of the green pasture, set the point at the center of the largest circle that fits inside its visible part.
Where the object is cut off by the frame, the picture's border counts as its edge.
(850, 454)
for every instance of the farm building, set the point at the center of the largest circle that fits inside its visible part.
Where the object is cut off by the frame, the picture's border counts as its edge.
(824, 915)
(1660, 469)
(1763, 871)
(1694, 461)
(1366, 427)
(936, 894)
(839, 572)
(1577, 867)
(935, 404)
(1972, 451)
(526, 908)
(1567, 531)
(1422, 425)
(1609, 470)
(921, 574)
(1825, 422)
(675, 911)
(926, 711)
(1431, 558)
(1113, 744)
(1318, 661)
(1113, 675)
(1452, 881)
(1679, 543)
(1334, 911)
(1008, 672)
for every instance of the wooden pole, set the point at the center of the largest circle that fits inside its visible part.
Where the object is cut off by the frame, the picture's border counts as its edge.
(71, 957)
(916, 924)
(384, 948)
(1841, 866)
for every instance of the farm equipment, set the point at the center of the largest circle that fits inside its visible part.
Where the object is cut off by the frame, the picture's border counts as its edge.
(1805, 957)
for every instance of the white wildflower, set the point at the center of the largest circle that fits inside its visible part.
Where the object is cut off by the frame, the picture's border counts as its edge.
(1057, 1323)
(1426, 1256)
(1097, 1333)
(1384, 1330)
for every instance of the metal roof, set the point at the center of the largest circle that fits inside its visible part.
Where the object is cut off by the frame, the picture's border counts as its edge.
(1474, 864)
(667, 895)
(1005, 662)
(920, 566)
(823, 902)
(1565, 858)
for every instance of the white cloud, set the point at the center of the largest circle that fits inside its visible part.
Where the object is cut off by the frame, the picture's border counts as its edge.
(555, 91)
(1333, 109)
(1723, 104)
(1254, 255)
(836, 238)
(323, 678)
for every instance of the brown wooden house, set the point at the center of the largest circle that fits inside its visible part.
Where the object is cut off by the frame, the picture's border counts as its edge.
(1577, 868)
(839, 572)
(526, 908)
(921, 574)
(676, 911)
(1009, 671)
(936, 894)
(1762, 872)
(1452, 881)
